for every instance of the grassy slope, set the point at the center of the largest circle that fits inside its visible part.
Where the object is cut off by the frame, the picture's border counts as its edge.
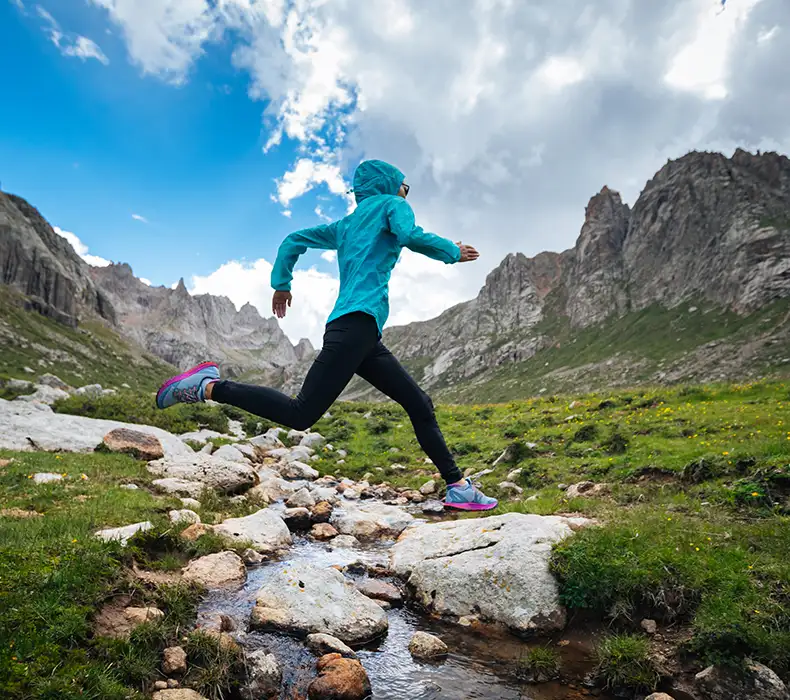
(694, 530)
(639, 345)
(92, 353)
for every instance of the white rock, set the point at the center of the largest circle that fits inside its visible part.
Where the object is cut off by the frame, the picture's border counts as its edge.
(21, 423)
(46, 478)
(264, 530)
(495, 567)
(267, 442)
(298, 470)
(322, 644)
(202, 435)
(345, 541)
(179, 487)
(247, 450)
(190, 503)
(298, 454)
(314, 441)
(91, 390)
(428, 488)
(231, 453)
(351, 495)
(44, 394)
(273, 489)
(207, 449)
(510, 486)
(264, 676)
(131, 487)
(301, 499)
(122, 534)
(306, 599)
(216, 473)
(370, 520)
(236, 429)
(324, 493)
(183, 516)
(427, 646)
(295, 436)
(514, 475)
(341, 453)
(216, 570)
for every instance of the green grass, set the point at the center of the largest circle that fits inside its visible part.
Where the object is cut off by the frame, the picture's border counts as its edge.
(90, 354)
(539, 664)
(54, 575)
(624, 663)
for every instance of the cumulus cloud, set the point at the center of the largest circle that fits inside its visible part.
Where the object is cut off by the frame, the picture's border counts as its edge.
(506, 116)
(81, 249)
(72, 45)
(138, 217)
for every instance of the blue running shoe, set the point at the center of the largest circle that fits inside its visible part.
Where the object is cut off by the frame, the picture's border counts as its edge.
(187, 387)
(468, 497)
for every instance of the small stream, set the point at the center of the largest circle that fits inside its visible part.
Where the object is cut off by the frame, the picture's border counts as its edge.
(480, 665)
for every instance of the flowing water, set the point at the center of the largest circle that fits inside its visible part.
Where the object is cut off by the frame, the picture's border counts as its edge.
(480, 665)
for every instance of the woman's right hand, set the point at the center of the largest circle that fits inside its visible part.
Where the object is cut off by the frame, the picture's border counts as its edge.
(280, 302)
(468, 253)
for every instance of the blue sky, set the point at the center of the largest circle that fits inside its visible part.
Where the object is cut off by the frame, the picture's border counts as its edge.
(211, 119)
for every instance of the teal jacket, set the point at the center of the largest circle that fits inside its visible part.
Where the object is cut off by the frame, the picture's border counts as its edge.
(368, 243)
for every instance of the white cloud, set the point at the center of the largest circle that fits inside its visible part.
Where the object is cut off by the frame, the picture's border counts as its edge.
(138, 217)
(145, 281)
(81, 249)
(77, 46)
(329, 255)
(305, 175)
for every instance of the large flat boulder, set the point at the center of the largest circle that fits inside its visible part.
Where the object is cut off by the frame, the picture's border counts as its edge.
(30, 426)
(303, 599)
(370, 520)
(213, 472)
(495, 568)
(265, 530)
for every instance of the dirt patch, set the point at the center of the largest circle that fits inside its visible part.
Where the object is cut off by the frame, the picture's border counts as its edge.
(18, 513)
(652, 475)
(111, 620)
(155, 578)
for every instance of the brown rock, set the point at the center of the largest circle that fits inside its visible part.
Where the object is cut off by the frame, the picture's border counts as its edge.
(649, 626)
(137, 616)
(339, 679)
(380, 590)
(175, 661)
(297, 519)
(178, 694)
(160, 685)
(426, 646)
(216, 570)
(323, 531)
(321, 512)
(139, 445)
(195, 531)
(659, 696)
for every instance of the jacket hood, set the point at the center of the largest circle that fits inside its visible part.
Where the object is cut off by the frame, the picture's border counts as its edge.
(374, 177)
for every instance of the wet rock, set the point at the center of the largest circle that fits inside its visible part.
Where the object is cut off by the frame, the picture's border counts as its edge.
(264, 530)
(314, 441)
(428, 488)
(210, 471)
(323, 531)
(183, 516)
(321, 512)
(272, 489)
(495, 567)
(339, 679)
(322, 644)
(135, 443)
(369, 521)
(305, 599)
(757, 683)
(264, 676)
(46, 478)
(427, 646)
(122, 534)
(174, 661)
(252, 558)
(297, 519)
(298, 470)
(345, 541)
(195, 532)
(216, 570)
(178, 694)
(301, 499)
(649, 626)
(380, 590)
(433, 508)
(218, 623)
(586, 489)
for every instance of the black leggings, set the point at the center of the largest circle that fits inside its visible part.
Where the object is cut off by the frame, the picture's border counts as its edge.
(351, 346)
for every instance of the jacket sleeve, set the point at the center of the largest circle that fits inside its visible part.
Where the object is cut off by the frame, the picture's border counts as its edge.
(411, 236)
(322, 237)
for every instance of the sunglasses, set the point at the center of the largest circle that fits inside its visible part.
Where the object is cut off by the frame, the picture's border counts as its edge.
(406, 189)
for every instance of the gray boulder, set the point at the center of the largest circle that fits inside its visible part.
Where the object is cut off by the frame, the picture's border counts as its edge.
(265, 530)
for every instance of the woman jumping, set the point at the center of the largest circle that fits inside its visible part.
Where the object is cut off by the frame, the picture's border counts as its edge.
(368, 243)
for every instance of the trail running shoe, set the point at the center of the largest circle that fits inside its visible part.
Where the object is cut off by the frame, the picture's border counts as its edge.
(468, 497)
(187, 387)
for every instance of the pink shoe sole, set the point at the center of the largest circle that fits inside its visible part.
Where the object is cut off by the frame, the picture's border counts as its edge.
(186, 374)
(470, 506)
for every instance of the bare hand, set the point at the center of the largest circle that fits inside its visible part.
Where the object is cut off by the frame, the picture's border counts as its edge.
(468, 253)
(280, 301)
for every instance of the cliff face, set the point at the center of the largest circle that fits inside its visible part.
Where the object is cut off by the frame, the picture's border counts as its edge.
(706, 227)
(185, 330)
(37, 262)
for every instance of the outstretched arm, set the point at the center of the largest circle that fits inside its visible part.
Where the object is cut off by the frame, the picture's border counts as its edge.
(322, 237)
(411, 236)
